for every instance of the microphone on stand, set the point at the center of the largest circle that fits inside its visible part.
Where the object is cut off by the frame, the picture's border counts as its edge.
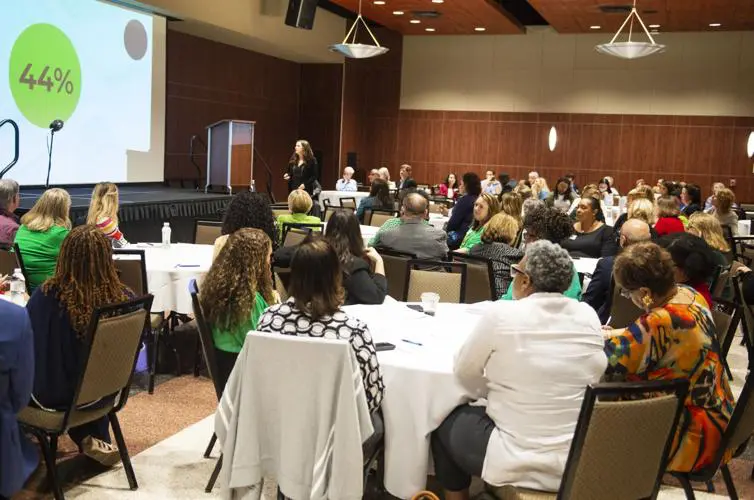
(55, 126)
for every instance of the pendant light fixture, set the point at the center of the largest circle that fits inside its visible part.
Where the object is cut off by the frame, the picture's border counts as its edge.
(358, 50)
(631, 49)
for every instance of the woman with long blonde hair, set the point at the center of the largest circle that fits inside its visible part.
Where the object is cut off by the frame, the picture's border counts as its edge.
(42, 231)
(513, 205)
(485, 207)
(235, 293)
(708, 228)
(60, 311)
(103, 212)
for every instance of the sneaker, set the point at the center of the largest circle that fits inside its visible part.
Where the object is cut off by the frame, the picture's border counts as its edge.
(100, 451)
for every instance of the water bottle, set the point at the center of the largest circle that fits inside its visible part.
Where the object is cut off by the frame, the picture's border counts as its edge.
(166, 235)
(253, 186)
(17, 287)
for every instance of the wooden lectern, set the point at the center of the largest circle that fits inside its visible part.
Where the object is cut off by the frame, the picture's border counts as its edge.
(230, 156)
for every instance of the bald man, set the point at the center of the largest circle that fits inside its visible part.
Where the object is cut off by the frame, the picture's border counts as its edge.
(599, 293)
(411, 233)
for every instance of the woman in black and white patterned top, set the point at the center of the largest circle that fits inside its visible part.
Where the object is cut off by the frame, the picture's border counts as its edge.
(314, 310)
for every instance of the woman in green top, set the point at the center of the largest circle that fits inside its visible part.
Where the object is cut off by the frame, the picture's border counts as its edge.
(235, 293)
(299, 204)
(485, 207)
(42, 231)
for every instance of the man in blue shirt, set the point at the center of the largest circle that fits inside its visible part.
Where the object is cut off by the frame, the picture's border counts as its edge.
(347, 183)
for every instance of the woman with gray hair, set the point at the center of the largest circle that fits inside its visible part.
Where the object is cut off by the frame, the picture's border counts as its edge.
(531, 359)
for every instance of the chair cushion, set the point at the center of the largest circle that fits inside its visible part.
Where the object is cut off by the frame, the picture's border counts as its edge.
(53, 420)
(509, 492)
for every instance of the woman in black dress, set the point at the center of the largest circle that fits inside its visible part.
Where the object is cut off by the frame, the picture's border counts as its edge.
(302, 171)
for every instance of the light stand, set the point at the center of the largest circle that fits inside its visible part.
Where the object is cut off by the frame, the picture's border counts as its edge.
(55, 126)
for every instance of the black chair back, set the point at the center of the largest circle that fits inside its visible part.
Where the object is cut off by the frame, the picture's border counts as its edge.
(396, 271)
(20, 260)
(132, 271)
(205, 336)
(480, 284)
(207, 231)
(8, 262)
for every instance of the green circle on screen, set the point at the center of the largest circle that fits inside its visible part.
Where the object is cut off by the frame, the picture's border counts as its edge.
(44, 74)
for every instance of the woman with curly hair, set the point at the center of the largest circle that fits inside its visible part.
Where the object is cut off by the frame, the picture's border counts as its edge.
(60, 310)
(246, 209)
(235, 293)
(103, 212)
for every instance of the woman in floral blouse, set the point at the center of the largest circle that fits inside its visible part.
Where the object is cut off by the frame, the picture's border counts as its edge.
(675, 338)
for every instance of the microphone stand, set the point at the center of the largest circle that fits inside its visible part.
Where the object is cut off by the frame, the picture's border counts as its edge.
(49, 158)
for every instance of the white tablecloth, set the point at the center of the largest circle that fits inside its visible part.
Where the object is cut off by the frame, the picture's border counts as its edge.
(438, 220)
(334, 197)
(420, 388)
(169, 271)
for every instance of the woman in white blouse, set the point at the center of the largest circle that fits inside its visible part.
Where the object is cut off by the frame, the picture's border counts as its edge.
(535, 356)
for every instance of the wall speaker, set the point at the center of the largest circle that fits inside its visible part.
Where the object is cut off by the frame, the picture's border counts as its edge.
(351, 160)
(301, 13)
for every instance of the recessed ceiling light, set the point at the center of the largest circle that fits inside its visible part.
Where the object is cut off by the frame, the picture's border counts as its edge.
(398, 12)
(480, 29)
(415, 21)
(429, 29)
(438, 1)
(654, 25)
(379, 2)
(714, 25)
(595, 27)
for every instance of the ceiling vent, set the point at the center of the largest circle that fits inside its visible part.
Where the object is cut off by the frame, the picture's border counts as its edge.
(615, 9)
(426, 14)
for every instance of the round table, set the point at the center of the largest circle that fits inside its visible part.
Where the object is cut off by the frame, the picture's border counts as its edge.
(169, 271)
(420, 388)
(333, 197)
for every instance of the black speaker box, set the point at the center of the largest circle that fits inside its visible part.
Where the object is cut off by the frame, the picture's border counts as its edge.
(301, 13)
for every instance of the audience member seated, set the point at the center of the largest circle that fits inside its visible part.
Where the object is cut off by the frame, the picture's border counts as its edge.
(563, 196)
(379, 198)
(405, 175)
(540, 189)
(722, 208)
(385, 176)
(247, 209)
(589, 191)
(674, 339)
(10, 199)
(60, 311)
(572, 180)
(361, 284)
(691, 198)
(235, 293)
(373, 174)
(549, 224)
(606, 189)
(485, 207)
(638, 193)
(523, 191)
(593, 238)
(716, 187)
(530, 204)
(531, 359)
(313, 310)
(531, 178)
(708, 228)
(449, 188)
(347, 183)
(506, 182)
(409, 186)
(490, 184)
(513, 205)
(42, 231)
(299, 204)
(103, 213)
(667, 216)
(497, 238)
(411, 233)
(463, 211)
(599, 293)
(694, 261)
(18, 458)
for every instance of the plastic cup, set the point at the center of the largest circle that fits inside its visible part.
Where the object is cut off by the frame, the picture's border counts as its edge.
(429, 302)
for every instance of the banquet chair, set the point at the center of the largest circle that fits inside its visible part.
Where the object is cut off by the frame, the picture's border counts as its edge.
(109, 354)
(20, 261)
(625, 466)
(207, 231)
(8, 262)
(348, 202)
(280, 209)
(726, 324)
(396, 271)
(379, 217)
(131, 265)
(734, 441)
(480, 285)
(280, 285)
(448, 279)
(623, 311)
(331, 210)
(208, 350)
(747, 318)
(295, 234)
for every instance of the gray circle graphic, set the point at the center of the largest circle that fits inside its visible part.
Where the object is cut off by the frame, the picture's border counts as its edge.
(135, 39)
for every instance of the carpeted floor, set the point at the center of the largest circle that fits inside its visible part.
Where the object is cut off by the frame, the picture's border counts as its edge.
(145, 420)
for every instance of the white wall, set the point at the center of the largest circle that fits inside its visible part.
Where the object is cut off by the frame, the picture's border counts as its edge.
(542, 71)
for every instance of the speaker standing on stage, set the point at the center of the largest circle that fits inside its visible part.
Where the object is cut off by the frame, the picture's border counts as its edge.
(302, 170)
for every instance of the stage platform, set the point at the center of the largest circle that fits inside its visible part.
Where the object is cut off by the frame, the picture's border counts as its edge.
(144, 208)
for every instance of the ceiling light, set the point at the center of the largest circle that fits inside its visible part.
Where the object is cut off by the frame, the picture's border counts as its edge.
(379, 2)
(415, 21)
(480, 29)
(595, 27)
(438, 1)
(714, 25)
(654, 25)
(631, 49)
(429, 29)
(355, 50)
(398, 12)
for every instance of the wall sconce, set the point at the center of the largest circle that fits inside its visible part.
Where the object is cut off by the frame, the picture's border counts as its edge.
(750, 146)
(552, 139)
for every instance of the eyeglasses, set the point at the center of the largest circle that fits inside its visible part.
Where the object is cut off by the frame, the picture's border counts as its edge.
(516, 270)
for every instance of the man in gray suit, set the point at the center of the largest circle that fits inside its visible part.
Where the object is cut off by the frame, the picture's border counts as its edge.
(411, 233)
